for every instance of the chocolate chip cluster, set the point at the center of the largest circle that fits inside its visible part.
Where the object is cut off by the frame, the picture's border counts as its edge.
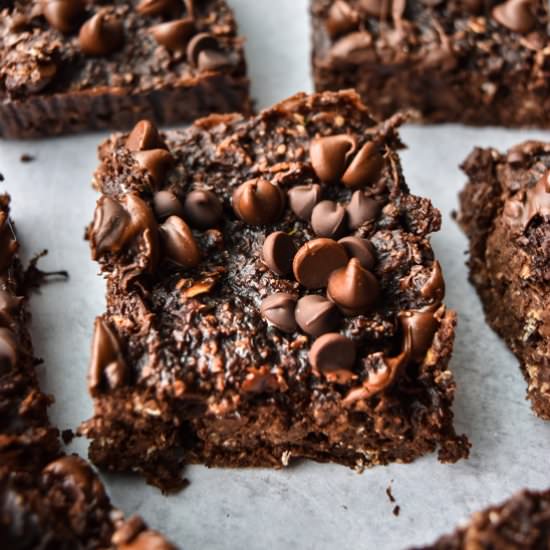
(127, 226)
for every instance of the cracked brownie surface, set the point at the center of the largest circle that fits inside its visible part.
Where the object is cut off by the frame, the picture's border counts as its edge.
(504, 212)
(272, 294)
(48, 500)
(480, 62)
(520, 523)
(68, 66)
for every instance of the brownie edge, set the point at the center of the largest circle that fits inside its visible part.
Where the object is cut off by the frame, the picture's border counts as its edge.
(505, 213)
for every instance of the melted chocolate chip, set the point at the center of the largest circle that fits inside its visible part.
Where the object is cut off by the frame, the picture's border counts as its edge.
(341, 18)
(303, 198)
(278, 310)
(166, 204)
(174, 35)
(202, 209)
(333, 356)
(365, 167)
(329, 156)
(63, 15)
(278, 252)
(329, 219)
(362, 209)
(434, 287)
(144, 137)
(102, 34)
(354, 289)
(516, 15)
(258, 202)
(355, 48)
(360, 249)
(316, 260)
(9, 304)
(156, 161)
(519, 213)
(109, 227)
(107, 366)
(179, 245)
(421, 326)
(316, 315)
(8, 350)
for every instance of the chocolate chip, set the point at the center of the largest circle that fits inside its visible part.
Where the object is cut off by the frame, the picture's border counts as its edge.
(278, 252)
(178, 242)
(316, 260)
(202, 209)
(516, 15)
(107, 365)
(278, 310)
(316, 315)
(174, 35)
(329, 156)
(63, 15)
(360, 249)
(355, 48)
(258, 202)
(159, 7)
(329, 219)
(144, 137)
(362, 209)
(365, 168)
(109, 226)
(207, 44)
(341, 18)
(420, 326)
(166, 204)
(157, 162)
(434, 287)
(384, 8)
(101, 35)
(353, 288)
(333, 356)
(8, 350)
(303, 198)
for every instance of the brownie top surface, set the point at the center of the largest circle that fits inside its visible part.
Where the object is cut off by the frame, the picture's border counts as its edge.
(485, 36)
(212, 309)
(59, 46)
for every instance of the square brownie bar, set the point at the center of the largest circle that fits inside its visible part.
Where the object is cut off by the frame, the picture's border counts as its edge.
(505, 212)
(479, 62)
(520, 523)
(69, 65)
(272, 295)
(47, 499)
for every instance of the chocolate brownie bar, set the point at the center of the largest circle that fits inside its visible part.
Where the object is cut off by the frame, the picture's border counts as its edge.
(69, 65)
(520, 523)
(479, 62)
(504, 211)
(272, 295)
(47, 499)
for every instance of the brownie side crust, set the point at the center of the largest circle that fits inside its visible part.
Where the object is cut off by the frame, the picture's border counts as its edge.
(521, 523)
(504, 211)
(94, 66)
(48, 499)
(259, 309)
(475, 62)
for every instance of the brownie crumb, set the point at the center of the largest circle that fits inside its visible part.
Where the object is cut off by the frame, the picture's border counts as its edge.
(26, 158)
(396, 510)
(389, 493)
(67, 436)
(1, 176)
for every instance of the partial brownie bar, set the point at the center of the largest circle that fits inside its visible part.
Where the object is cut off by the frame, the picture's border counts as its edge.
(520, 523)
(479, 62)
(505, 212)
(272, 295)
(47, 499)
(69, 65)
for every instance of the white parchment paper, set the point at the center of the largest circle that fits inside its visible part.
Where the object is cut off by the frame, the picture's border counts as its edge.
(310, 506)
